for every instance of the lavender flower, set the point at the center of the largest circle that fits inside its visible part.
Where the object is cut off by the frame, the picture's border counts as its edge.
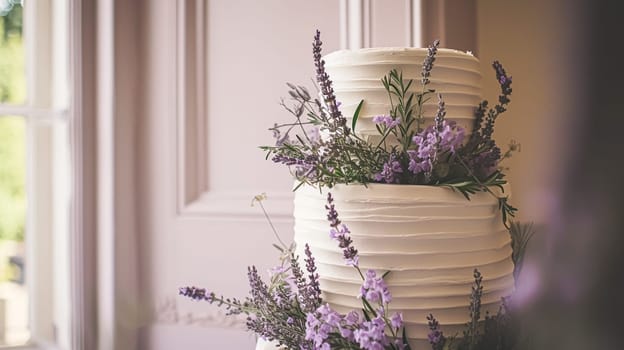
(348, 324)
(304, 167)
(326, 87)
(314, 288)
(475, 298)
(332, 214)
(479, 114)
(486, 162)
(471, 334)
(374, 289)
(484, 135)
(435, 336)
(431, 142)
(259, 289)
(504, 82)
(397, 320)
(320, 324)
(341, 234)
(440, 114)
(428, 63)
(371, 335)
(387, 121)
(391, 170)
(194, 293)
(307, 297)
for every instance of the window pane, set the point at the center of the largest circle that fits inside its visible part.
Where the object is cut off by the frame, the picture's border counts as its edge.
(12, 72)
(13, 291)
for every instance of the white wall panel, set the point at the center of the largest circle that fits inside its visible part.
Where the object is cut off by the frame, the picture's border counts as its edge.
(213, 76)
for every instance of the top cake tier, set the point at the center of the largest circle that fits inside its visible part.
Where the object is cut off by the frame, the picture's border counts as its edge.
(357, 74)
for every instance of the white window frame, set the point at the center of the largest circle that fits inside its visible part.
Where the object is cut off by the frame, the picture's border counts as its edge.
(45, 112)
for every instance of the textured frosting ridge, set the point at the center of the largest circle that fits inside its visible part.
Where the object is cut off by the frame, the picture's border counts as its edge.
(430, 238)
(356, 76)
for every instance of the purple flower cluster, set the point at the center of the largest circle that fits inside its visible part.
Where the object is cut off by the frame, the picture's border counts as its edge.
(397, 320)
(387, 121)
(371, 335)
(391, 171)
(431, 143)
(340, 233)
(436, 338)
(374, 289)
(486, 163)
(324, 321)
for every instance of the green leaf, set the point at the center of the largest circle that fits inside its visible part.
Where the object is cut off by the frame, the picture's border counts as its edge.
(369, 307)
(356, 115)
(404, 337)
(366, 316)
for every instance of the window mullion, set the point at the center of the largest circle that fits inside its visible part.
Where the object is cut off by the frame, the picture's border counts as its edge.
(34, 113)
(39, 138)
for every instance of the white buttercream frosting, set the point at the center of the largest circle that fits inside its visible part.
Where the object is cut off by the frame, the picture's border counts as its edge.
(430, 238)
(262, 344)
(356, 76)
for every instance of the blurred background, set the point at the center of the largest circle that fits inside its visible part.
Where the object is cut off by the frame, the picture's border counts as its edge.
(128, 156)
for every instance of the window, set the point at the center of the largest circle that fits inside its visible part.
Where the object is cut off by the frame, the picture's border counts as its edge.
(34, 173)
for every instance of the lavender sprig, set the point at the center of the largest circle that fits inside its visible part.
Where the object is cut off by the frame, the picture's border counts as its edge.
(232, 305)
(339, 122)
(438, 127)
(487, 129)
(435, 336)
(472, 333)
(340, 233)
(303, 292)
(314, 288)
(432, 50)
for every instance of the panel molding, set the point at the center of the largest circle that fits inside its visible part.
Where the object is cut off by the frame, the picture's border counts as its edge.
(355, 24)
(413, 28)
(191, 107)
(356, 29)
(194, 195)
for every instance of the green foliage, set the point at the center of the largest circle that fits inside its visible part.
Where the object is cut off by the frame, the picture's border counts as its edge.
(12, 178)
(346, 159)
(521, 234)
(12, 129)
(12, 73)
(402, 107)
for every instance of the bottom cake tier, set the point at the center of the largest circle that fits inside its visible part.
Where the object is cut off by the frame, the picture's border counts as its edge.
(430, 239)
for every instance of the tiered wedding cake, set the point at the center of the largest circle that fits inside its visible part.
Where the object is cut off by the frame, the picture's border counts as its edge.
(429, 238)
